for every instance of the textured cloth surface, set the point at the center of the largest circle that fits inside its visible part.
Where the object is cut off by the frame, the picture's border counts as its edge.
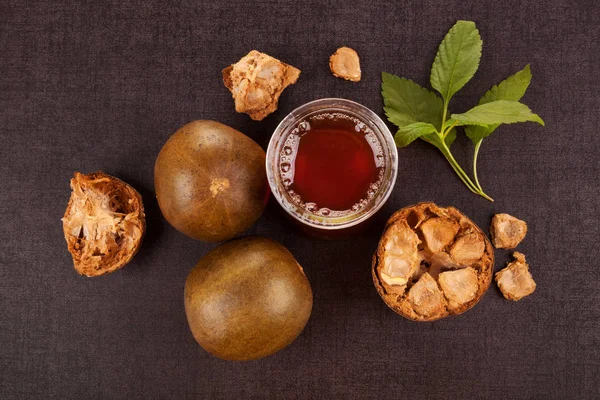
(93, 85)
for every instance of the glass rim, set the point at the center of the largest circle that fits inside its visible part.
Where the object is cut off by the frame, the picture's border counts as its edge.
(373, 121)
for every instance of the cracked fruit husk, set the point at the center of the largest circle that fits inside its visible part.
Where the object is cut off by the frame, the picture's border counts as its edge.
(246, 299)
(432, 262)
(104, 223)
(507, 231)
(256, 82)
(345, 64)
(515, 281)
(210, 181)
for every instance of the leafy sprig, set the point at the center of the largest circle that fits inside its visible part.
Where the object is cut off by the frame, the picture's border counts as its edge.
(421, 114)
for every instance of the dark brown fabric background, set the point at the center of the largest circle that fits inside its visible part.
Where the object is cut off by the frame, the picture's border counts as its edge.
(102, 84)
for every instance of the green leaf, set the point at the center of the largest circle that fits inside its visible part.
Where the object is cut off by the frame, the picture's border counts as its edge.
(409, 133)
(457, 59)
(497, 112)
(406, 102)
(512, 89)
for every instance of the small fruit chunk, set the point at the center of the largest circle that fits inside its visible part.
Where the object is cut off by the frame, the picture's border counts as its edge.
(256, 82)
(438, 233)
(515, 281)
(507, 231)
(432, 262)
(459, 286)
(246, 299)
(104, 223)
(400, 258)
(438, 262)
(345, 63)
(426, 298)
(210, 181)
(468, 248)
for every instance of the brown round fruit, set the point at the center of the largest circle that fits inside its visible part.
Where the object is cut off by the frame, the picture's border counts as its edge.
(210, 181)
(432, 262)
(104, 223)
(246, 299)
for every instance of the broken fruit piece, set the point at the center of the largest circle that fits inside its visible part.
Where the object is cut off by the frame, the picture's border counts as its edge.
(426, 298)
(438, 233)
(438, 262)
(103, 224)
(468, 248)
(256, 82)
(432, 262)
(345, 63)
(515, 281)
(400, 258)
(507, 231)
(460, 286)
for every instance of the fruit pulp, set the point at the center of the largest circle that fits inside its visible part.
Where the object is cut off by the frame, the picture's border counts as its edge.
(335, 164)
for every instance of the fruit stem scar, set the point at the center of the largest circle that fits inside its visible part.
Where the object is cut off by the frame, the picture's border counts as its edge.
(218, 185)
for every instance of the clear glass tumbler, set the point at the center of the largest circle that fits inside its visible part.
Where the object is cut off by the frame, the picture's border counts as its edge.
(331, 226)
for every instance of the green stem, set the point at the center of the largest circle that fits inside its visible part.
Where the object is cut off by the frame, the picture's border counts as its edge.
(465, 180)
(448, 130)
(446, 152)
(475, 188)
(461, 173)
(444, 117)
(477, 146)
(485, 196)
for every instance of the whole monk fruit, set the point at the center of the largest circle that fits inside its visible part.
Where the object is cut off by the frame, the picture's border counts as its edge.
(210, 181)
(246, 299)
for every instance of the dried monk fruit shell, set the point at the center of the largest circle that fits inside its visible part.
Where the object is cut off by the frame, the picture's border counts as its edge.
(440, 262)
(507, 231)
(104, 223)
(515, 281)
(345, 63)
(256, 82)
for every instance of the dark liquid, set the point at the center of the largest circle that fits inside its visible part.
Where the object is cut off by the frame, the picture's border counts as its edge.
(337, 164)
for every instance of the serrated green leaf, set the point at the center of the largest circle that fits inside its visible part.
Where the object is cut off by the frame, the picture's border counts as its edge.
(409, 133)
(497, 112)
(512, 89)
(457, 59)
(405, 102)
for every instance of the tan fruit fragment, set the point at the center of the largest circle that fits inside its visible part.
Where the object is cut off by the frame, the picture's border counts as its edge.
(438, 233)
(256, 82)
(438, 262)
(104, 223)
(515, 281)
(426, 298)
(507, 231)
(459, 286)
(345, 63)
(468, 248)
(401, 257)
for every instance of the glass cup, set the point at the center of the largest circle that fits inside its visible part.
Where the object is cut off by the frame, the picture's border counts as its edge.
(329, 226)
